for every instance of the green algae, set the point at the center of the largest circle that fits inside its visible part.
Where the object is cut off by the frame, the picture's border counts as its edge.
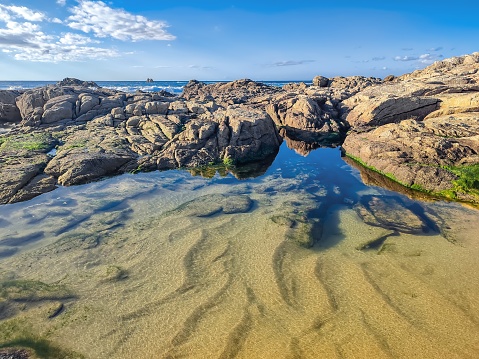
(17, 333)
(30, 290)
(42, 142)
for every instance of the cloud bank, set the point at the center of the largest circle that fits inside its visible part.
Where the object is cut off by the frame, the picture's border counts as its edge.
(23, 37)
(103, 21)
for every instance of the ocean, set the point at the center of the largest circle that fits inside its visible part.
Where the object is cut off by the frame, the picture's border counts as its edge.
(175, 87)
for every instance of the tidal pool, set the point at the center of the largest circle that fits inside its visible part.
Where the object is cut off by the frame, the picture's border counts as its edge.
(303, 261)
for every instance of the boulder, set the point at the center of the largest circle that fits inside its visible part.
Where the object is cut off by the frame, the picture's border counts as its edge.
(320, 81)
(249, 134)
(9, 111)
(383, 110)
(59, 108)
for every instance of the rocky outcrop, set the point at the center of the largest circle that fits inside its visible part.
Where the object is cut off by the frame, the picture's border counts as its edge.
(100, 132)
(9, 111)
(238, 134)
(75, 82)
(422, 129)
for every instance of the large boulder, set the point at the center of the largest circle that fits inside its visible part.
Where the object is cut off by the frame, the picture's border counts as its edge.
(383, 110)
(238, 134)
(88, 155)
(247, 134)
(59, 108)
(9, 111)
(320, 81)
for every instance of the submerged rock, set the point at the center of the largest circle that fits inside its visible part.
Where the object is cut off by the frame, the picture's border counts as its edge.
(209, 205)
(390, 213)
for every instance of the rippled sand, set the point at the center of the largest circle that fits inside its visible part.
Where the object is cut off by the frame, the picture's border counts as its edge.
(181, 278)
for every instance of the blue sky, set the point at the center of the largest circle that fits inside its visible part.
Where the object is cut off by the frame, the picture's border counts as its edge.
(227, 40)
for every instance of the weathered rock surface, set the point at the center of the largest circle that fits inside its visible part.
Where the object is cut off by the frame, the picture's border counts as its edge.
(421, 129)
(9, 111)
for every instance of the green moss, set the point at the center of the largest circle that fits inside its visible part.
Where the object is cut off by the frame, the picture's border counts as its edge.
(68, 146)
(29, 290)
(42, 142)
(467, 182)
(415, 186)
(468, 178)
(17, 333)
(228, 162)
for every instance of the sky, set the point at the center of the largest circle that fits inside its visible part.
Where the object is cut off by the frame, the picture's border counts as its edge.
(227, 40)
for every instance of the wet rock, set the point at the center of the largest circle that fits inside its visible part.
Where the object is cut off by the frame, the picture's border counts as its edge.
(54, 309)
(209, 205)
(390, 213)
(19, 172)
(115, 274)
(14, 353)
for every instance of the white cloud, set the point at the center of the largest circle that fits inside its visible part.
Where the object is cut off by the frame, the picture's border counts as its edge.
(7, 13)
(25, 41)
(406, 58)
(103, 21)
(289, 63)
(61, 2)
(76, 39)
(56, 53)
(198, 67)
(429, 58)
(423, 59)
(56, 20)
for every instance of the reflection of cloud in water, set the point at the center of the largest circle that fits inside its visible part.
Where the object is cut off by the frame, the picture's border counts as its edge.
(201, 267)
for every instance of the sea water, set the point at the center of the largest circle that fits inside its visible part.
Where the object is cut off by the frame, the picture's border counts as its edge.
(300, 259)
(175, 87)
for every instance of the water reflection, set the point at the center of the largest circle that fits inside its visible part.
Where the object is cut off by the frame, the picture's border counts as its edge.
(304, 260)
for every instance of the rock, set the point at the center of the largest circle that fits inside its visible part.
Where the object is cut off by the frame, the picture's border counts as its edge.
(383, 110)
(87, 103)
(40, 184)
(320, 81)
(18, 172)
(422, 129)
(195, 146)
(9, 111)
(390, 213)
(213, 204)
(229, 93)
(157, 108)
(297, 87)
(247, 134)
(75, 82)
(59, 108)
(169, 126)
(389, 78)
(14, 353)
(89, 155)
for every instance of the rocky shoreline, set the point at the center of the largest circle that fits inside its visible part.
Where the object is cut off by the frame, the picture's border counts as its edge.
(419, 129)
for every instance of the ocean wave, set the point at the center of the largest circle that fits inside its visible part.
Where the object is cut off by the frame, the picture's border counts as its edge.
(133, 88)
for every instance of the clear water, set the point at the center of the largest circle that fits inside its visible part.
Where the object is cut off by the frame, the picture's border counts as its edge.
(167, 265)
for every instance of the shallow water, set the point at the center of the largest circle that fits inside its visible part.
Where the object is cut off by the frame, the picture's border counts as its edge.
(304, 261)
